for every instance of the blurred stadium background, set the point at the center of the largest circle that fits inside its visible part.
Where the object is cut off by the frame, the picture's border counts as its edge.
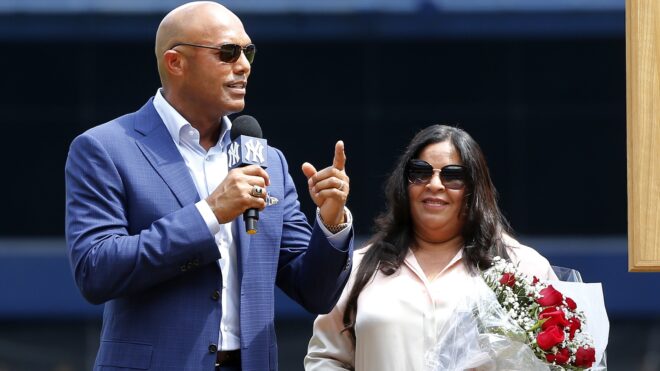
(540, 84)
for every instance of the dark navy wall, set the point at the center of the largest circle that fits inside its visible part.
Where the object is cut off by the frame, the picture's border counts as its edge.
(549, 114)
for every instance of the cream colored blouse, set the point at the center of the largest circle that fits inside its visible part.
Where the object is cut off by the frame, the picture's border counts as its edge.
(399, 316)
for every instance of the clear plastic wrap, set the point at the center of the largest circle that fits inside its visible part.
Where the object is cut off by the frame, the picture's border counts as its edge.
(589, 298)
(482, 336)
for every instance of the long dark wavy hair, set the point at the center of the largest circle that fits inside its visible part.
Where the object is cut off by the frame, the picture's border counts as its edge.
(482, 231)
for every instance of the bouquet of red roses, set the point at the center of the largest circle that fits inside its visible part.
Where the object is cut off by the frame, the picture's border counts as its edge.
(513, 322)
(552, 321)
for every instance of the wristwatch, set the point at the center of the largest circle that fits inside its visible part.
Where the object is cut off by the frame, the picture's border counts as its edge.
(336, 228)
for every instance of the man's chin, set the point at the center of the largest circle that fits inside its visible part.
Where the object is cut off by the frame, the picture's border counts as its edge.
(235, 107)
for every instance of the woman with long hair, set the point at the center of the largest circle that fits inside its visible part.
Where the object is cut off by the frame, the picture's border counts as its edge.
(441, 226)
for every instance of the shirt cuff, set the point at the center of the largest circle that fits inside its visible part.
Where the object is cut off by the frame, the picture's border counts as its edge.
(208, 216)
(339, 238)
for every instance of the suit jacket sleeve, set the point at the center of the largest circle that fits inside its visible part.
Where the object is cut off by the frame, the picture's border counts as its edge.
(107, 261)
(311, 270)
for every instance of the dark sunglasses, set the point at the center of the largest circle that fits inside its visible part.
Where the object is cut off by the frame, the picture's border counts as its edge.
(229, 53)
(451, 176)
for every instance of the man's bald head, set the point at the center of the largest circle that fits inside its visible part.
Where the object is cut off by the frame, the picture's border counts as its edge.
(196, 22)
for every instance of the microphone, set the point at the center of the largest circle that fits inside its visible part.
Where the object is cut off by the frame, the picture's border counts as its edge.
(247, 148)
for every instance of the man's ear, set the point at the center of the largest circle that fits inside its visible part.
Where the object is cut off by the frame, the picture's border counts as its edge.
(174, 62)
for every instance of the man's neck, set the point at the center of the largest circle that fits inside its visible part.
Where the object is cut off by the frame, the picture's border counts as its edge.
(208, 126)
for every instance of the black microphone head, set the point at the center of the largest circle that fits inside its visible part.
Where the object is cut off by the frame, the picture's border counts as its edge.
(245, 125)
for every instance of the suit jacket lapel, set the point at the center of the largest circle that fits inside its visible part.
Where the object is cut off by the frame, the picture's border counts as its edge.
(159, 149)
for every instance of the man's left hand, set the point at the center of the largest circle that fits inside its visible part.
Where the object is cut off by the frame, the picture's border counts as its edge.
(329, 187)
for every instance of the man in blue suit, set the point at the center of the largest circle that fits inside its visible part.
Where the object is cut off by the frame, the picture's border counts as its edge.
(152, 220)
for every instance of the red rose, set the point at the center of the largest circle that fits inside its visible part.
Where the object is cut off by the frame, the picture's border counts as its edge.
(585, 357)
(508, 279)
(574, 325)
(550, 297)
(555, 317)
(549, 337)
(535, 280)
(570, 303)
(561, 358)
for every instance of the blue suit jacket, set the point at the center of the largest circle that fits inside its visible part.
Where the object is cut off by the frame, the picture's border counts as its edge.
(137, 243)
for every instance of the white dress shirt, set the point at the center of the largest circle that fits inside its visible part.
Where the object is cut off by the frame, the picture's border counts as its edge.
(208, 170)
(400, 317)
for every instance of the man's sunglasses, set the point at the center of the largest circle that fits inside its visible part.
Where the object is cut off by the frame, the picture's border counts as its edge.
(229, 53)
(451, 176)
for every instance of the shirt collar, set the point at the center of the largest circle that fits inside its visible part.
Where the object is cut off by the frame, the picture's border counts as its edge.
(175, 123)
(411, 261)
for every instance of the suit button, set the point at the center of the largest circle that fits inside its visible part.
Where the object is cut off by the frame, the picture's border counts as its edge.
(184, 268)
(195, 262)
(216, 295)
(213, 348)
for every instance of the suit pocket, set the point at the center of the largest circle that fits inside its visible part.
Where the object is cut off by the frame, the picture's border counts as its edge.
(122, 354)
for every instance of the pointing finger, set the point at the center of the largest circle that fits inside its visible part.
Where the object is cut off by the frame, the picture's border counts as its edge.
(340, 157)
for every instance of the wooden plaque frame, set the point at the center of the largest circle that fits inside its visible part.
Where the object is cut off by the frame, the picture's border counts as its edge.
(643, 133)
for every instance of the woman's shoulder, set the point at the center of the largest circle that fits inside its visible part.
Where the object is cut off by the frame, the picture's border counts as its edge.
(359, 254)
(519, 252)
(529, 261)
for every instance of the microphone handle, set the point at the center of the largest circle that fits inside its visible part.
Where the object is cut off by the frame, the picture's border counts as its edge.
(250, 217)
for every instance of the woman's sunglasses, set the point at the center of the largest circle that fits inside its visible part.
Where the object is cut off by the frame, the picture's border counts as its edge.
(229, 53)
(451, 176)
